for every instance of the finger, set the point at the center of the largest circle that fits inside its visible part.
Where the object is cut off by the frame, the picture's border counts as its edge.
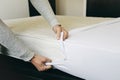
(65, 36)
(39, 67)
(42, 68)
(48, 67)
(58, 33)
(48, 60)
(45, 59)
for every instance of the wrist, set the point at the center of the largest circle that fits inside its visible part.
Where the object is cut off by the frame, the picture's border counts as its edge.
(32, 58)
(57, 25)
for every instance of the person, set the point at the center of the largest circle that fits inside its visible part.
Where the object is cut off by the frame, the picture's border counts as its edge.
(21, 55)
(14, 45)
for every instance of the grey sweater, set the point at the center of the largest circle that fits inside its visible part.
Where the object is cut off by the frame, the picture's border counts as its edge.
(16, 47)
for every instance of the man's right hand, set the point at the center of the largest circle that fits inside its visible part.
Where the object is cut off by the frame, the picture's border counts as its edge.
(39, 62)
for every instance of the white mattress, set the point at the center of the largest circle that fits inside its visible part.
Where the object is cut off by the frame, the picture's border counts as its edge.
(91, 44)
(38, 30)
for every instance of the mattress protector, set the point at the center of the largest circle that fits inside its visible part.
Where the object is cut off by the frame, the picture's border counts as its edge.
(38, 30)
(93, 50)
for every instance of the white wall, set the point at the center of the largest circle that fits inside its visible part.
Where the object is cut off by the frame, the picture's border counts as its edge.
(71, 7)
(10, 9)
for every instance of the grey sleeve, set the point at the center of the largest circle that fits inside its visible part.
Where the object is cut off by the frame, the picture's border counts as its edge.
(46, 11)
(16, 47)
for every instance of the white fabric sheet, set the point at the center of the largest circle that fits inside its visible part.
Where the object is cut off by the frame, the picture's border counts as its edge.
(92, 52)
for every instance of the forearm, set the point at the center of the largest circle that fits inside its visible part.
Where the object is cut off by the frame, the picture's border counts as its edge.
(15, 47)
(46, 11)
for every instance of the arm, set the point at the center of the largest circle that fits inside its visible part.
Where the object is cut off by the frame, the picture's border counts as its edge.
(45, 9)
(17, 49)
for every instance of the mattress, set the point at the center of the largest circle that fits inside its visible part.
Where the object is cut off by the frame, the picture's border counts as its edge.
(91, 51)
(38, 30)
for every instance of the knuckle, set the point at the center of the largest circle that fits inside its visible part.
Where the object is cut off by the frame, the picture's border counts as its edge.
(39, 69)
(44, 59)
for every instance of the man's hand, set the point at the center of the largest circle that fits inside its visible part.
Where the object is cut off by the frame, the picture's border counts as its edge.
(39, 62)
(58, 29)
